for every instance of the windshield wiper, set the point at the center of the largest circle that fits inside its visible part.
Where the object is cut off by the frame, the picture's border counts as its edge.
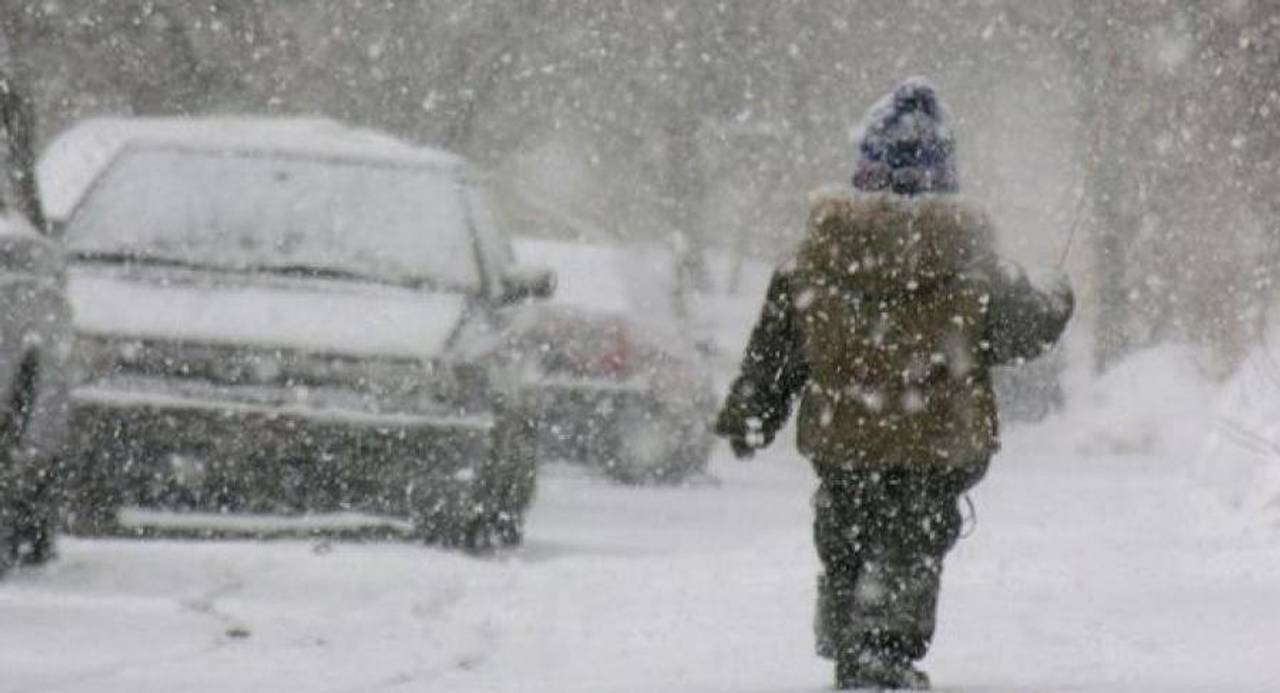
(129, 257)
(329, 272)
(319, 272)
(309, 271)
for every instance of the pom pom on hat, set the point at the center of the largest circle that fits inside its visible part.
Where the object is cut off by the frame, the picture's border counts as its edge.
(905, 143)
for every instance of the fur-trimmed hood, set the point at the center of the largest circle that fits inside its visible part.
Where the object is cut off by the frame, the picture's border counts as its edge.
(885, 243)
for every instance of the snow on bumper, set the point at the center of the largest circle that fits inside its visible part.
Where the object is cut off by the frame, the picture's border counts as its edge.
(158, 450)
(110, 398)
(205, 523)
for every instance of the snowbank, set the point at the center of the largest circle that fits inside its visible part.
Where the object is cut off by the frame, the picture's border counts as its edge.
(1240, 457)
(1154, 403)
(1160, 408)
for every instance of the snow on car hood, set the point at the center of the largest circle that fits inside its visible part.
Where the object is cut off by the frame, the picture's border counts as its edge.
(327, 317)
(77, 157)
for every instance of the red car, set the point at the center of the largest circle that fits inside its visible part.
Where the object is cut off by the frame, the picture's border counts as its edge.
(620, 384)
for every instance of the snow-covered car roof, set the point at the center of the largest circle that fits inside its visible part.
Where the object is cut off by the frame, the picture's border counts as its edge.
(75, 158)
(631, 281)
(625, 278)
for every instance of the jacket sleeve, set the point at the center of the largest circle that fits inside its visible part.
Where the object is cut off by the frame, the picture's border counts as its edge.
(1024, 320)
(773, 371)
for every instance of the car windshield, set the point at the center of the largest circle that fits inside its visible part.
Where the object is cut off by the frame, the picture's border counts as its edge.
(388, 222)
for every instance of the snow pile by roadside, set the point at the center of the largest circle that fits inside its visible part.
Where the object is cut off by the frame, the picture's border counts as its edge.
(1155, 403)
(1240, 456)
(1160, 405)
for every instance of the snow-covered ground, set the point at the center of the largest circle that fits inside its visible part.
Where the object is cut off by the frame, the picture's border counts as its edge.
(1097, 563)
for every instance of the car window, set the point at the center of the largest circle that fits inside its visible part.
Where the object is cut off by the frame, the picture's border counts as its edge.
(403, 224)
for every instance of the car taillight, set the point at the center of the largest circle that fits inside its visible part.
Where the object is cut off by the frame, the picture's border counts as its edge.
(588, 348)
(615, 356)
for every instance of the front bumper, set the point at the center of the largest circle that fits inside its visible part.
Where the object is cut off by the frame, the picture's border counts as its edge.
(157, 449)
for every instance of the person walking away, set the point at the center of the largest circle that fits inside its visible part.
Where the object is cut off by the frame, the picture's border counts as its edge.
(885, 324)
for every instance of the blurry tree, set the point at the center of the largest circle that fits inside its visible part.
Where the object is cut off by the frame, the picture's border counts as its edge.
(17, 120)
(1169, 223)
(712, 120)
(1244, 43)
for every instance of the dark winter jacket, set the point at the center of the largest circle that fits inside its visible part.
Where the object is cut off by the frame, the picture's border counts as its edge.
(886, 324)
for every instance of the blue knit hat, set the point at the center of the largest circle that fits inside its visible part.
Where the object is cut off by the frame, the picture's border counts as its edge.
(905, 143)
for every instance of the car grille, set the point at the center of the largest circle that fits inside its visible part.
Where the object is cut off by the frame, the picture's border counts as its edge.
(370, 384)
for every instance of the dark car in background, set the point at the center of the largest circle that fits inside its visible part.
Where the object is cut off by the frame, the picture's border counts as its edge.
(34, 345)
(288, 325)
(620, 383)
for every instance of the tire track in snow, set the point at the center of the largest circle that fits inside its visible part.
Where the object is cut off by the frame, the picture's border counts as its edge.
(204, 604)
(207, 604)
(445, 611)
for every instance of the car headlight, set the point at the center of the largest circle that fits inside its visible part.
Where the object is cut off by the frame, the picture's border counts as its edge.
(99, 357)
(397, 384)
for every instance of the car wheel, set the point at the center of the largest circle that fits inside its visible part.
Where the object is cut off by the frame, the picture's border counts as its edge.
(485, 511)
(7, 528)
(94, 495)
(30, 521)
(29, 509)
(649, 446)
(507, 486)
(441, 511)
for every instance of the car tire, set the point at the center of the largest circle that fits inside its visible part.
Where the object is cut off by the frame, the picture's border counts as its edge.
(28, 504)
(29, 522)
(508, 485)
(649, 445)
(490, 514)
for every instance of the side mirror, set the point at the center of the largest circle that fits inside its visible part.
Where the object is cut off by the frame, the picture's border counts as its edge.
(521, 283)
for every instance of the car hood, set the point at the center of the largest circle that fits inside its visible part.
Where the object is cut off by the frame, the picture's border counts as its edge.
(321, 316)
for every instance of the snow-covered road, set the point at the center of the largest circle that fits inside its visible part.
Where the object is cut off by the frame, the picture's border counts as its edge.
(1092, 567)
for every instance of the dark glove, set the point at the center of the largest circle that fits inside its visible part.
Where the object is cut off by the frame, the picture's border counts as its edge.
(741, 448)
(732, 430)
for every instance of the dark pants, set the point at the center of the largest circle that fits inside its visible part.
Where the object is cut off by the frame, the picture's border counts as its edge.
(881, 537)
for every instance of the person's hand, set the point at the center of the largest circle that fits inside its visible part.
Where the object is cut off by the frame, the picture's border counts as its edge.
(1062, 294)
(741, 448)
(744, 437)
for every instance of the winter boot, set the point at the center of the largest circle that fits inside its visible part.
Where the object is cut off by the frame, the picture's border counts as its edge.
(831, 615)
(875, 671)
